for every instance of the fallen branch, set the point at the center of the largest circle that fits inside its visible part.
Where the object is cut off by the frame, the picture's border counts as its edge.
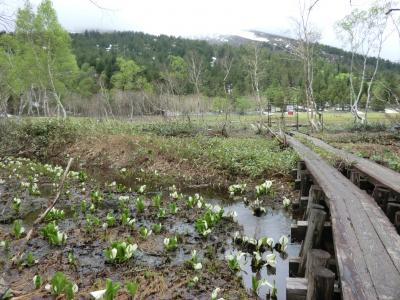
(43, 215)
(280, 136)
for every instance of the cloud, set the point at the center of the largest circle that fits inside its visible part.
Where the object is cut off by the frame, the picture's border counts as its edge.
(206, 17)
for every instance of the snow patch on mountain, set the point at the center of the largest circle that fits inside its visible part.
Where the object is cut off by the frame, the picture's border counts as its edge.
(250, 36)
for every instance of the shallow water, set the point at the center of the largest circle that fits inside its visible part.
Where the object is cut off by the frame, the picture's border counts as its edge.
(273, 224)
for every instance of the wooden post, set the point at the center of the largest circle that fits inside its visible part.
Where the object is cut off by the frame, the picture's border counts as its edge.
(305, 183)
(381, 196)
(296, 288)
(397, 220)
(310, 207)
(316, 258)
(301, 165)
(313, 236)
(320, 284)
(299, 229)
(314, 197)
(293, 173)
(355, 177)
(392, 208)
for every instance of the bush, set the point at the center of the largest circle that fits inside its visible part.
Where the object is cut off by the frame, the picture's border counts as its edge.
(172, 128)
(371, 127)
(40, 138)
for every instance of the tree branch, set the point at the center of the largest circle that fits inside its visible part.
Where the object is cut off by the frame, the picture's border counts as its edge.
(43, 215)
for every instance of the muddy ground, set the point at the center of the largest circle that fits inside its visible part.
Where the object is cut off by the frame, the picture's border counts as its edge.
(160, 274)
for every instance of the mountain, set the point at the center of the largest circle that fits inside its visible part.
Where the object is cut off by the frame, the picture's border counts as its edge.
(281, 43)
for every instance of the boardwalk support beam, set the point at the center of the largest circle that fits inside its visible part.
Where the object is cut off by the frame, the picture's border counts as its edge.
(321, 282)
(313, 236)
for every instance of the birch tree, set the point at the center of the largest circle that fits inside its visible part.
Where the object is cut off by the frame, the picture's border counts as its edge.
(307, 37)
(196, 68)
(225, 61)
(363, 32)
(256, 70)
(40, 60)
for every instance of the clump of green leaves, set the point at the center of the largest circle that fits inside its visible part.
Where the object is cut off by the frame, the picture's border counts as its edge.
(234, 261)
(122, 201)
(264, 188)
(110, 220)
(91, 222)
(194, 261)
(82, 176)
(197, 200)
(173, 208)
(29, 260)
(214, 294)
(61, 285)
(144, 232)
(281, 246)
(84, 206)
(237, 189)
(257, 283)
(140, 204)
(286, 202)
(71, 258)
(201, 226)
(126, 220)
(16, 205)
(211, 217)
(132, 288)
(119, 251)
(161, 214)
(17, 229)
(53, 234)
(34, 189)
(142, 189)
(171, 243)
(156, 201)
(55, 214)
(111, 289)
(37, 281)
(96, 197)
(156, 228)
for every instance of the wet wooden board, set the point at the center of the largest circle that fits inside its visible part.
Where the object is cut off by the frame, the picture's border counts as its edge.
(379, 174)
(367, 246)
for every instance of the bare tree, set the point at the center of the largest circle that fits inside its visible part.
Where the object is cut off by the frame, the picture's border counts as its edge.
(363, 31)
(306, 40)
(226, 61)
(255, 70)
(195, 70)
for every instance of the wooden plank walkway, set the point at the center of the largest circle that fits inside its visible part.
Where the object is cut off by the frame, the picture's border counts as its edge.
(378, 173)
(367, 246)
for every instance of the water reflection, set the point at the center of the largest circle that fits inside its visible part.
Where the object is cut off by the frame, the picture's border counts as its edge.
(274, 224)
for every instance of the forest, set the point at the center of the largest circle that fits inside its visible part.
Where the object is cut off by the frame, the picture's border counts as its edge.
(245, 166)
(48, 71)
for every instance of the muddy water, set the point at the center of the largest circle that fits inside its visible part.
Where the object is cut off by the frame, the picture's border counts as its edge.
(273, 224)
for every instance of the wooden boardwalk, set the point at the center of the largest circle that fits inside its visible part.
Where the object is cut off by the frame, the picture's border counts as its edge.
(378, 174)
(366, 244)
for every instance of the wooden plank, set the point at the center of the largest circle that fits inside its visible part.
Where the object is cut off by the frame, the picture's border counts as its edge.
(378, 173)
(296, 288)
(366, 244)
(298, 230)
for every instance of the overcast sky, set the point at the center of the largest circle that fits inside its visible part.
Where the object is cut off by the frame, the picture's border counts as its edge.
(192, 18)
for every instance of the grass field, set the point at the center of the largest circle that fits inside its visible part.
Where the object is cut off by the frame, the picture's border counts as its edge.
(330, 120)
